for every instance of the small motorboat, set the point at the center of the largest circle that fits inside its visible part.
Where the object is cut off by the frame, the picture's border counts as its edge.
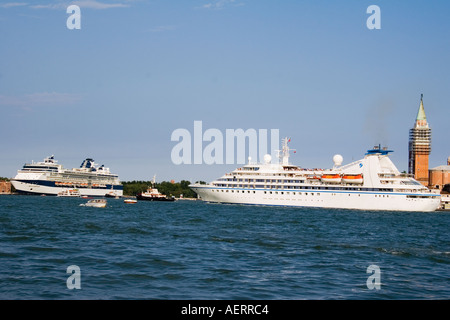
(97, 203)
(130, 201)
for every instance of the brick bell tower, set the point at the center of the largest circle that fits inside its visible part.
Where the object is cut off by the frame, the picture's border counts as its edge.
(420, 146)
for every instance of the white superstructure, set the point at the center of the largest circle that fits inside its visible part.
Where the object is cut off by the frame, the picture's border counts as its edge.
(50, 178)
(372, 183)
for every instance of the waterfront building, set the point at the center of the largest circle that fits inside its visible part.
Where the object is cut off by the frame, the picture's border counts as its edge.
(5, 187)
(439, 176)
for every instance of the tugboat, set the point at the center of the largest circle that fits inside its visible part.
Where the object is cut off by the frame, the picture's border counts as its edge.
(152, 194)
(112, 194)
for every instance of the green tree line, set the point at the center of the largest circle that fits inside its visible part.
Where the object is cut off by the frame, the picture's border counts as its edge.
(131, 188)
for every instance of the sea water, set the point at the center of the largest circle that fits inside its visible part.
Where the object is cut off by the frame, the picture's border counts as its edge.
(195, 250)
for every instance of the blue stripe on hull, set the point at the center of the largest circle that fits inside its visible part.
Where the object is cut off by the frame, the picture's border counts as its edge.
(431, 195)
(35, 193)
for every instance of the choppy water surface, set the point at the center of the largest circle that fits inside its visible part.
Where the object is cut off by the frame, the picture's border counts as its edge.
(194, 250)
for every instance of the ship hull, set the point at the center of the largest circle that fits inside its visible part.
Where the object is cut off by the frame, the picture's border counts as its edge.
(44, 187)
(339, 200)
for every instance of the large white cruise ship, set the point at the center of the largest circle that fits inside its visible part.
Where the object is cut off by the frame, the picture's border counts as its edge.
(372, 183)
(50, 178)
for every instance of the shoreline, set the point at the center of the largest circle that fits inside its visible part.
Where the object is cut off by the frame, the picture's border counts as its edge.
(180, 199)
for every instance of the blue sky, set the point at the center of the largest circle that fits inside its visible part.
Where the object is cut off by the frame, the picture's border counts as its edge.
(137, 70)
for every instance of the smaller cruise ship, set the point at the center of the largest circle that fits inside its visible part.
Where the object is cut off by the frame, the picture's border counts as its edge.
(50, 178)
(372, 183)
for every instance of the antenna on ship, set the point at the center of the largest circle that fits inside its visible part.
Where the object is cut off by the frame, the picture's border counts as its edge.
(283, 154)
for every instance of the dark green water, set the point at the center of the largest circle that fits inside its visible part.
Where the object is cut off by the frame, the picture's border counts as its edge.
(194, 250)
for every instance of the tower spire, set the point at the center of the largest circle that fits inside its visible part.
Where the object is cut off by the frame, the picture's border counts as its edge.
(421, 119)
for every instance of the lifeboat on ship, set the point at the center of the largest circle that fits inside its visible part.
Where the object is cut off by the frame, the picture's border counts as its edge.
(352, 178)
(331, 178)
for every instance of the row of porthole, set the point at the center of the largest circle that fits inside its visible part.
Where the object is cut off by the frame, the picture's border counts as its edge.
(287, 193)
(282, 192)
(265, 192)
(232, 191)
